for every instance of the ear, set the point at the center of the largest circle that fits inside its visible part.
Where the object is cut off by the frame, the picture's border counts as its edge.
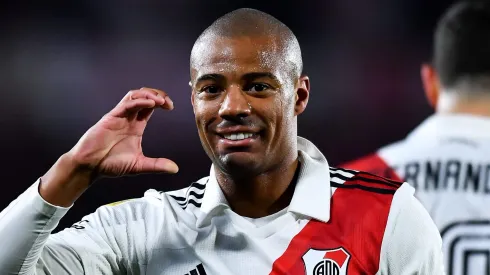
(302, 95)
(430, 81)
(192, 97)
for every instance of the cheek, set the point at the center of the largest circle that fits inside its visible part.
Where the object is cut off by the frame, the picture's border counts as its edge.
(284, 117)
(204, 112)
(285, 107)
(201, 118)
(276, 114)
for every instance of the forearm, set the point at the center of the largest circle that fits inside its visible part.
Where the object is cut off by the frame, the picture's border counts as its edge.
(25, 225)
(65, 182)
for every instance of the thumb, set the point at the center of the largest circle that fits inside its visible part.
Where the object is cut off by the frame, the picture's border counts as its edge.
(155, 165)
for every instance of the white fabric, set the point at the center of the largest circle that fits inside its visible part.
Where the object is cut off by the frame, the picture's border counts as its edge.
(447, 160)
(258, 222)
(402, 236)
(166, 233)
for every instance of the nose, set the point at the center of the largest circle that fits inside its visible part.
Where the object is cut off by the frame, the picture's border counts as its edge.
(235, 104)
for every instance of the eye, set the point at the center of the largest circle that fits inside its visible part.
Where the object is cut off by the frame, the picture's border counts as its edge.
(258, 87)
(211, 89)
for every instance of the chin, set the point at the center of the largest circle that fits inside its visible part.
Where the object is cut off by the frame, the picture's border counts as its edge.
(240, 164)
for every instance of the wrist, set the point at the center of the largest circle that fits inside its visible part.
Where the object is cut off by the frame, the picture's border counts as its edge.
(65, 182)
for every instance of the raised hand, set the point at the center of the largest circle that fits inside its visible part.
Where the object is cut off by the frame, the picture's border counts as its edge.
(112, 147)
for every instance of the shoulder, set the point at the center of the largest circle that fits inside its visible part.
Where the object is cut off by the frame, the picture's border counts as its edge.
(361, 204)
(397, 196)
(116, 226)
(407, 213)
(152, 204)
(372, 197)
(191, 195)
(411, 242)
(398, 226)
(123, 212)
(364, 181)
(364, 197)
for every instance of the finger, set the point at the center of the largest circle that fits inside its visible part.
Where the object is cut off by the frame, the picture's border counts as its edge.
(155, 165)
(153, 90)
(132, 106)
(148, 94)
(168, 105)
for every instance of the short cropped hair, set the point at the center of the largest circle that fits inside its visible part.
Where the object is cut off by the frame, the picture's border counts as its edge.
(461, 53)
(251, 22)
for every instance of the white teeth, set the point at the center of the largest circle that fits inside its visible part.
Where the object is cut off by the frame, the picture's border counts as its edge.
(238, 136)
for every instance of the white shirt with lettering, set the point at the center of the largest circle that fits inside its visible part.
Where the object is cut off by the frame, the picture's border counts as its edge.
(447, 160)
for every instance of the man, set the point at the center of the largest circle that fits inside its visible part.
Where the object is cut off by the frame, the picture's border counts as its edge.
(271, 204)
(447, 158)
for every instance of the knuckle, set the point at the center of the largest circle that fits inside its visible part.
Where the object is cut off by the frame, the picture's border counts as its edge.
(146, 89)
(138, 94)
(145, 92)
(159, 92)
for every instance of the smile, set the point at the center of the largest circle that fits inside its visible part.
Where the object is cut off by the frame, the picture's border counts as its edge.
(238, 136)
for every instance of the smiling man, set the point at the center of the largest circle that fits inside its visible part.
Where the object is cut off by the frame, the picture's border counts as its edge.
(271, 204)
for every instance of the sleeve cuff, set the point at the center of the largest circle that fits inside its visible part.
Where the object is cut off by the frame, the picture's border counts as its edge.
(42, 206)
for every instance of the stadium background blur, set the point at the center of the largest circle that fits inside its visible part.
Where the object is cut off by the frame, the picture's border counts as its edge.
(66, 63)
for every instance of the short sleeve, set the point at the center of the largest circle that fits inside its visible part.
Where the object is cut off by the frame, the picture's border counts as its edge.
(411, 243)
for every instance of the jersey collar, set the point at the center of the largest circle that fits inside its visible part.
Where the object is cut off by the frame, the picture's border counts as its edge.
(312, 193)
(452, 125)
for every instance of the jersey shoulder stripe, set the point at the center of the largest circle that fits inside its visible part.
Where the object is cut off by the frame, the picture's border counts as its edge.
(363, 180)
(191, 195)
(339, 176)
(373, 164)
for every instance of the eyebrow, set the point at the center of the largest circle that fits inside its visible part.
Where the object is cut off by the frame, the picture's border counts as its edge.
(248, 76)
(255, 75)
(205, 77)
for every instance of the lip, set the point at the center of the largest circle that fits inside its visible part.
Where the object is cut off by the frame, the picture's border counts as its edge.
(236, 130)
(237, 145)
(247, 142)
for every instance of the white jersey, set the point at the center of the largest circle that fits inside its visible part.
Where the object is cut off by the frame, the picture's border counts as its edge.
(338, 222)
(447, 160)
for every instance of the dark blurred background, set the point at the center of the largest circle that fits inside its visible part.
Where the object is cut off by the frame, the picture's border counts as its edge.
(64, 64)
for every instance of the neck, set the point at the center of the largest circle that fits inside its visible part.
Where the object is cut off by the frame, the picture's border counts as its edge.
(261, 195)
(452, 102)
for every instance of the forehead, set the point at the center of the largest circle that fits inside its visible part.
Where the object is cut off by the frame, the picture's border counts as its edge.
(237, 55)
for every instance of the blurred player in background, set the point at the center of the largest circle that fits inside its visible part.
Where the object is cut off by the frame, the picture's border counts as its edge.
(447, 157)
(270, 205)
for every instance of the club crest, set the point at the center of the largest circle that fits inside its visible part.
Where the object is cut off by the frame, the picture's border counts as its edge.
(326, 262)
